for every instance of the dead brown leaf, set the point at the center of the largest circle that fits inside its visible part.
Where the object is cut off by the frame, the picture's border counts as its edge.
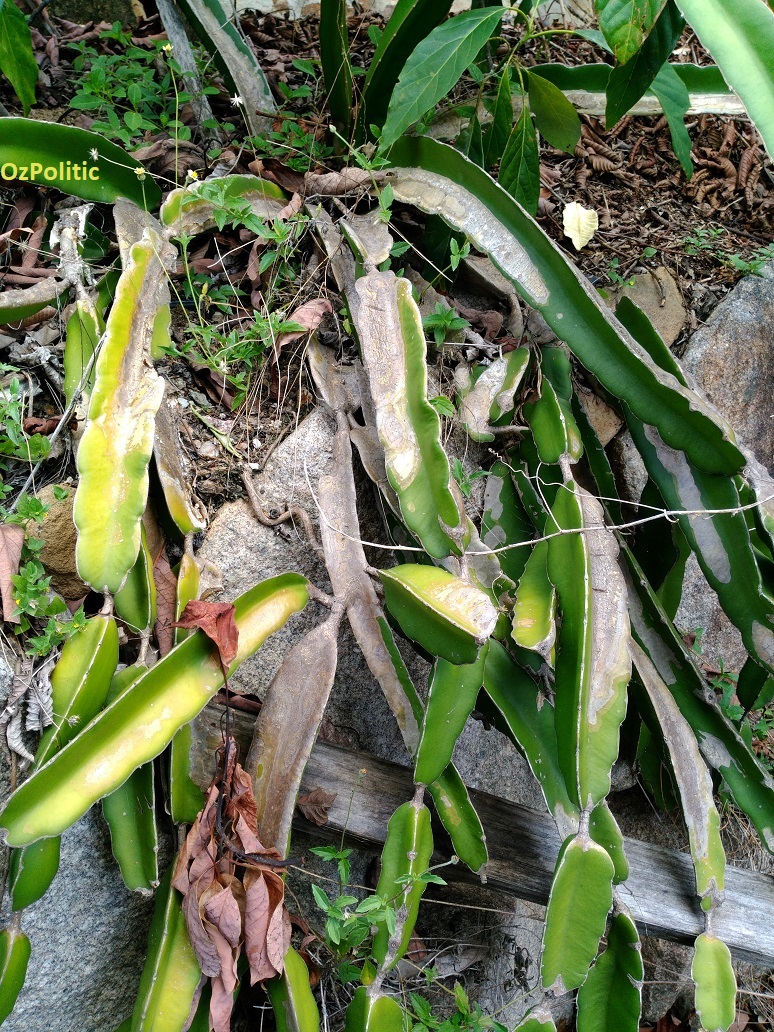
(308, 315)
(166, 602)
(11, 542)
(332, 184)
(293, 207)
(315, 805)
(216, 619)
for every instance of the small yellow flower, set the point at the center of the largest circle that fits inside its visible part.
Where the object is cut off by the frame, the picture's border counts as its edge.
(140, 172)
(167, 48)
(192, 174)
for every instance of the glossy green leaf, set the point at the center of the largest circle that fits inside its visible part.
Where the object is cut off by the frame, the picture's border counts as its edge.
(135, 602)
(447, 616)
(450, 701)
(434, 68)
(459, 818)
(334, 54)
(675, 100)
(409, 23)
(632, 76)
(499, 130)
(79, 685)
(116, 446)
(741, 42)
(581, 897)
(604, 829)
(715, 981)
(537, 1020)
(53, 153)
(553, 426)
(375, 1013)
(626, 24)
(533, 621)
(592, 663)
(15, 951)
(449, 794)
(139, 724)
(407, 850)
(439, 180)
(171, 974)
(720, 744)
(519, 171)
(693, 782)
(81, 338)
(528, 720)
(295, 1009)
(130, 811)
(392, 341)
(610, 998)
(17, 58)
(556, 119)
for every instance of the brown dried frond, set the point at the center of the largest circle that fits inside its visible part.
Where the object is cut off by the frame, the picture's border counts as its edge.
(601, 163)
(746, 163)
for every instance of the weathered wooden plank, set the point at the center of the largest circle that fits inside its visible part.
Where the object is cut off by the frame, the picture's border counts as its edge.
(523, 846)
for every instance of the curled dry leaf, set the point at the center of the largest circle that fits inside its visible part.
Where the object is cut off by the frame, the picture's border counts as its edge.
(11, 541)
(166, 597)
(580, 224)
(308, 316)
(216, 619)
(293, 207)
(315, 805)
(224, 911)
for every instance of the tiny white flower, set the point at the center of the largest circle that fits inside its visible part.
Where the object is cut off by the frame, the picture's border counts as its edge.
(140, 172)
(94, 154)
(237, 102)
(192, 174)
(167, 48)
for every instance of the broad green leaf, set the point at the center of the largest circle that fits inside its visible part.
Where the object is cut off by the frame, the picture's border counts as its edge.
(720, 744)
(449, 794)
(171, 975)
(116, 446)
(392, 341)
(581, 897)
(100, 759)
(626, 24)
(79, 685)
(533, 621)
(592, 662)
(499, 129)
(740, 39)
(519, 171)
(17, 59)
(700, 80)
(459, 818)
(334, 54)
(537, 1020)
(295, 1008)
(610, 998)
(409, 23)
(556, 119)
(407, 850)
(449, 617)
(715, 981)
(373, 1013)
(450, 701)
(53, 153)
(440, 181)
(628, 81)
(553, 426)
(435, 66)
(470, 142)
(15, 949)
(693, 783)
(674, 99)
(722, 544)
